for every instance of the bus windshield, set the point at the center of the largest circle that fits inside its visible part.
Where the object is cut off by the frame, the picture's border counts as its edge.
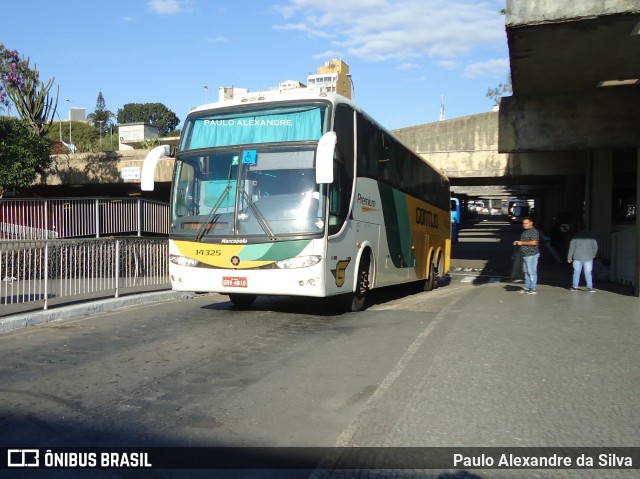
(269, 191)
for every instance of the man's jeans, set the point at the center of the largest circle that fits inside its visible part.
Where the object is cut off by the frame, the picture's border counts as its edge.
(530, 268)
(578, 266)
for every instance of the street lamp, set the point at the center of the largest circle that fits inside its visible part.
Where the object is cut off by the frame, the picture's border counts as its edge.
(69, 101)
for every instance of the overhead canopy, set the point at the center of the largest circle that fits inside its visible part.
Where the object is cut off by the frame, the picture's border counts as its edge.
(560, 54)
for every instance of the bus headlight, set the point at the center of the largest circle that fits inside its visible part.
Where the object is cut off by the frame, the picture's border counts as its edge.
(183, 260)
(298, 262)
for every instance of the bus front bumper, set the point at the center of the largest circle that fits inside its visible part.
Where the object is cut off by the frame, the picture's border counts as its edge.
(292, 282)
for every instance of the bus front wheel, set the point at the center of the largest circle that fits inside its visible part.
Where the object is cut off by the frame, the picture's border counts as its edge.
(355, 301)
(242, 300)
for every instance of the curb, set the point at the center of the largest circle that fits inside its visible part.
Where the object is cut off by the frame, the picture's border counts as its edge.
(33, 318)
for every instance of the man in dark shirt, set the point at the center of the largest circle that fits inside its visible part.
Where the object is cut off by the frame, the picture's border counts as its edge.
(582, 250)
(528, 243)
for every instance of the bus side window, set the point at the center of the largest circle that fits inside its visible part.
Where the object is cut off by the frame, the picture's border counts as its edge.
(184, 204)
(335, 201)
(340, 189)
(368, 147)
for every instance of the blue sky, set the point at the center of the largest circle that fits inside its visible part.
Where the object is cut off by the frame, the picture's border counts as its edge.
(404, 55)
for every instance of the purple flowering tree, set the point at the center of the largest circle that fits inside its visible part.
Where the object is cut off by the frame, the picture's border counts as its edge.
(24, 150)
(22, 88)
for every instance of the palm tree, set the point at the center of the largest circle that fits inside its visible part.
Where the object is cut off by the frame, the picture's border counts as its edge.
(101, 117)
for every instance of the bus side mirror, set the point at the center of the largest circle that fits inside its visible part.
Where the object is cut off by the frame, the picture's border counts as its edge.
(149, 166)
(324, 158)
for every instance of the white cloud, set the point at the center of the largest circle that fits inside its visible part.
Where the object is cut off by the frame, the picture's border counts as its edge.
(327, 54)
(377, 30)
(491, 68)
(448, 64)
(304, 28)
(218, 39)
(169, 7)
(408, 66)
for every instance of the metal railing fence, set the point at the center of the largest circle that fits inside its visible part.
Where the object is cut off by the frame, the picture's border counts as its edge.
(41, 219)
(39, 273)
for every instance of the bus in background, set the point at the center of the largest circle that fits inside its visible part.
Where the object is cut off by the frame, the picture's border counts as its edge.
(300, 194)
(455, 219)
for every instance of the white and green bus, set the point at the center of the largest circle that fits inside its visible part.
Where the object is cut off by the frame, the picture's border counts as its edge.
(302, 194)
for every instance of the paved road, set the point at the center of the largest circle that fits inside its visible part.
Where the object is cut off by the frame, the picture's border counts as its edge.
(471, 364)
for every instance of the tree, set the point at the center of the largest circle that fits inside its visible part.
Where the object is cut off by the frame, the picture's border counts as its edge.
(84, 136)
(155, 114)
(4, 101)
(101, 117)
(503, 89)
(12, 74)
(23, 154)
(24, 149)
(28, 94)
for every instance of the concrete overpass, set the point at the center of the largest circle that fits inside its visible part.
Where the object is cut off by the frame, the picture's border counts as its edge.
(576, 92)
(569, 134)
(467, 150)
(100, 174)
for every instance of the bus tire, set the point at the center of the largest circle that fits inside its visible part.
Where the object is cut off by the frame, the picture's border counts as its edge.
(439, 270)
(356, 301)
(429, 283)
(242, 300)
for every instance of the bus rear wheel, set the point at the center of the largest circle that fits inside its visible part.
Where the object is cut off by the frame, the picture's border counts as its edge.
(242, 300)
(438, 273)
(429, 283)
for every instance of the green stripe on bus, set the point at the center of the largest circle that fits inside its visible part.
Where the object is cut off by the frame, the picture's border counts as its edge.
(283, 250)
(396, 220)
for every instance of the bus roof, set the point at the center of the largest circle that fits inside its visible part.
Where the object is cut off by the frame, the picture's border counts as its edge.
(302, 94)
(273, 96)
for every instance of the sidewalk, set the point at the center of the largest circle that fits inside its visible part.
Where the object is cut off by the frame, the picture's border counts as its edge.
(501, 369)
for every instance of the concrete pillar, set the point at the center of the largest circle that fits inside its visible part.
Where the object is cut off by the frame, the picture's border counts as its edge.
(599, 191)
(574, 194)
(637, 269)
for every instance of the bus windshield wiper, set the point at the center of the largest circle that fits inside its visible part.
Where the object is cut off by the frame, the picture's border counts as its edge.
(262, 221)
(212, 215)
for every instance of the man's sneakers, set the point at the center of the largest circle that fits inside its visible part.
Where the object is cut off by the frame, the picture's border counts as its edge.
(574, 289)
(591, 290)
(527, 291)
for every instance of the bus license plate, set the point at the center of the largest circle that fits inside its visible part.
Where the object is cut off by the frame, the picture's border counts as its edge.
(235, 282)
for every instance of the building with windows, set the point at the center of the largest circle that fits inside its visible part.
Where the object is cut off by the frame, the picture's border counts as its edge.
(132, 135)
(332, 77)
(77, 114)
(291, 85)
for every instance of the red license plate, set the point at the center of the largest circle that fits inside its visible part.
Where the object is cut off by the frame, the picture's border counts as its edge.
(234, 281)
